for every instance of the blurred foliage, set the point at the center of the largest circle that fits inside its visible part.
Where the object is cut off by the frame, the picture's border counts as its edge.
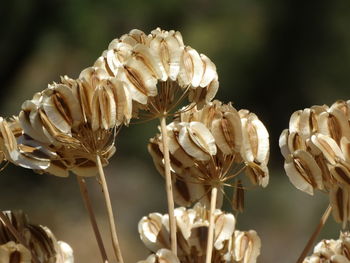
(273, 57)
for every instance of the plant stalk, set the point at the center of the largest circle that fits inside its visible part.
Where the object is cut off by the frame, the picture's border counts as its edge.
(16, 234)
(87, 202)
(168, 185)
(314, 235)
(112, 225)
(210, 242)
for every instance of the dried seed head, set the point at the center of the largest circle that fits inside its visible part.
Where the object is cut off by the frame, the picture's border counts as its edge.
(211, 146)
(316, 151)
(192, 228)
(74, 121)
(159, 70)
(333, 251)
(40, 243)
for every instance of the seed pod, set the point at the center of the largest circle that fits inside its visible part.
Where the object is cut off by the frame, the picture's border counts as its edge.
(303, 172)
(246, 246)
(255, 147)
(162, 256)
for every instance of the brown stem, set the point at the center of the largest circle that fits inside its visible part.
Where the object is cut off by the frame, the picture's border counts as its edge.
(210, 241)
(16, 234)
(112, 226)
(318, 229)
(168, 185)
(87, 202)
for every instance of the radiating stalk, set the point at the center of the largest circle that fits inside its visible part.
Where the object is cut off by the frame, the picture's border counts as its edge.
(87, 202)
(16, 234)
(168, 185)
(210, 241)
(318, 229)
(112, 226)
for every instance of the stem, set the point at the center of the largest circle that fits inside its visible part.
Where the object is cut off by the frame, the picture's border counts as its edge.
(214, 193)
(168, 185)
(16, 234)
(112, 226)
(318, 229)
(87, 202)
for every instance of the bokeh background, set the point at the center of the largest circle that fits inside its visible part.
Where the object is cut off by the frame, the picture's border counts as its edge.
(273, 57)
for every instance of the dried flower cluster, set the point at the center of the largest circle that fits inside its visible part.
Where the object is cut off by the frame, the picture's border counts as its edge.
(70, 127)
(211, 146)
(159, 70)
(230, 245)
(39, 243)
(332, 251)
(317, 153)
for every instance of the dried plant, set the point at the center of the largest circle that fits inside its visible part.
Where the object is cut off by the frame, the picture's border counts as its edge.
(316, 152)
(71, 127)
(230, 245)
(332, 251)
(23, 242)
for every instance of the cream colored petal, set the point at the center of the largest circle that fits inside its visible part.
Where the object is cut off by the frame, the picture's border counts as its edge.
(328, 147)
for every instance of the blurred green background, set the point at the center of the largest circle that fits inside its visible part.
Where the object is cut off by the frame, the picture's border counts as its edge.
(273, 57)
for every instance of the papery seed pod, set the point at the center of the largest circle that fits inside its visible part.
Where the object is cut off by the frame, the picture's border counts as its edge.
(161, 256)
(328, 147)
(238, 196)
(192, 226)
(255, 138)
(197, 140)
(303, 172)
(246, 246)
(21, 150)
(11, 252)
(339, 200)
(40, 243)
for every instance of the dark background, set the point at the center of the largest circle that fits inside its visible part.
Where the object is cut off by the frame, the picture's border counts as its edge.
(272, 57)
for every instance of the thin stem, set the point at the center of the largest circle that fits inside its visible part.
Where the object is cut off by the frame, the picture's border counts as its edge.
(168, 184)
(16, 234)
(210, 242)
(318, 229)
(112, 226)
(87, 202)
